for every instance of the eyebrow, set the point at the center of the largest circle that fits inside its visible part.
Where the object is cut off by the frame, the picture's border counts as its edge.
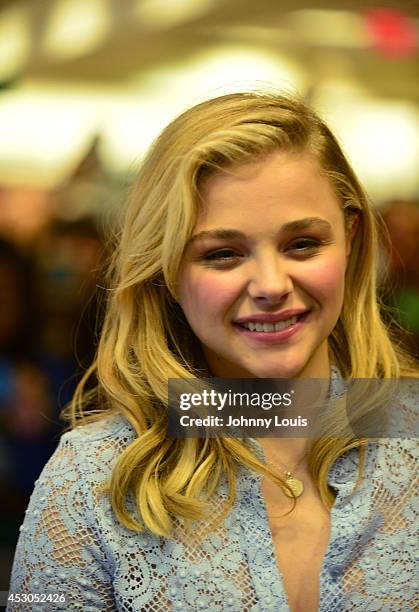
(291, 226)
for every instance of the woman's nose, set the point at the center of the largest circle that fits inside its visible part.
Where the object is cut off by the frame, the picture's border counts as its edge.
(270, 280)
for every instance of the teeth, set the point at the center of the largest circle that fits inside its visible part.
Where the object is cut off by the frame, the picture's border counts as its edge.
(270, 327)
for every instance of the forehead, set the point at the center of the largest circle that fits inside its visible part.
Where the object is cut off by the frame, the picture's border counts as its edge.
(280, 187)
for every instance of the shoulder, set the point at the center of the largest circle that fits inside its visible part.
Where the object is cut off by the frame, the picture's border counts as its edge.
(115, 427)
(109, 433)
(389, 462)
(397, 423)
(71, 483)
(63, 544)
(88, 453)
(396, 457)
(390, 473)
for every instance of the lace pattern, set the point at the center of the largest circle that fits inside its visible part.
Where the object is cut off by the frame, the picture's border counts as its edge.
(70, 542)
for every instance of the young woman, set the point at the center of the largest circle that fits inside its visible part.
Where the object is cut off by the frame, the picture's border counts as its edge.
(248, 251)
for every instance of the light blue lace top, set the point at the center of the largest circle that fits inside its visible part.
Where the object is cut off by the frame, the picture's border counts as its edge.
(71, 544)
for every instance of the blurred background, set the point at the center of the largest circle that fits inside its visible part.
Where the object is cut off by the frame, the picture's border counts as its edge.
(85, 86)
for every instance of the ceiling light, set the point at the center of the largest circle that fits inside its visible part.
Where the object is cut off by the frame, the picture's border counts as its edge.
(14, 41)
(76, 27)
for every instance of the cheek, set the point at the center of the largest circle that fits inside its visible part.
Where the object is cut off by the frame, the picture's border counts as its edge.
(204, 295)
(326, 280)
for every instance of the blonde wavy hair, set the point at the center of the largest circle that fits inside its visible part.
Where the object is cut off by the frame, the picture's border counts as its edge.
(146, 340)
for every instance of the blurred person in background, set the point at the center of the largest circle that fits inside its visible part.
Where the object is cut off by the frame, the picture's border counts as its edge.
(248, 251)
(70, 256)
(25, 393)
(48, 318)
(26, 405)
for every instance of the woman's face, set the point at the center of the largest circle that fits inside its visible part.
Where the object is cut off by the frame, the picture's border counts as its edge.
(262, 279)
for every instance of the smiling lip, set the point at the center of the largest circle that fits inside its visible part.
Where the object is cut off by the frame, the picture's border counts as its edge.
(275, 336)
(269, 317)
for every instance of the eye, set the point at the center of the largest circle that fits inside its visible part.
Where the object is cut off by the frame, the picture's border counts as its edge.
(220, 254)
(305, 245)
(222, 257)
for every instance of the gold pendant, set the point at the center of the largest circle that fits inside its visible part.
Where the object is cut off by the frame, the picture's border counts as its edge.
(295, 485)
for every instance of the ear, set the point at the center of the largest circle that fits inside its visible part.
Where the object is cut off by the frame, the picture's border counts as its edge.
(351, 226)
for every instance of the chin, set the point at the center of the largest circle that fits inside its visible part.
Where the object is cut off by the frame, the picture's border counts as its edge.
(275, 371)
